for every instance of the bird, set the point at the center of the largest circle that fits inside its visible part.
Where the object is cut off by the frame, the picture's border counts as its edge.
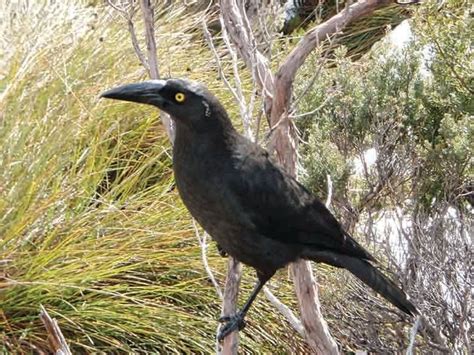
(254, 210)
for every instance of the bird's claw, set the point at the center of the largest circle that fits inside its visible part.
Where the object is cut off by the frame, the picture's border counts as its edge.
(232, 323)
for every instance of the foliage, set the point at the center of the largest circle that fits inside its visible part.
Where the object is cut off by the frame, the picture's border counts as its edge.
(413, 107)
(427, 105)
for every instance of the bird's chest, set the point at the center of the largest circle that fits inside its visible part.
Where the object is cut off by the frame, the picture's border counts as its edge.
(197, 183)
(200, 176)
(204, 183)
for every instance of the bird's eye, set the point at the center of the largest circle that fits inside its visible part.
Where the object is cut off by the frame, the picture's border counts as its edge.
(179, 97)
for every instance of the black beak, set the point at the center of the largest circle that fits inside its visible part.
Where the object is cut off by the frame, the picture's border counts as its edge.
(147, 92)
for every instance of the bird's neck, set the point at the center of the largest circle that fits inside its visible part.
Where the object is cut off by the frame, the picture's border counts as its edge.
(197, 155)
(194, 144)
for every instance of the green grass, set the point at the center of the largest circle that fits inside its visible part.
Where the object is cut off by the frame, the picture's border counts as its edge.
(91, 226)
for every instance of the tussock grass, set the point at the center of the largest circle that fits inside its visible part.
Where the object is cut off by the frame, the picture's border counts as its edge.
(91, 226)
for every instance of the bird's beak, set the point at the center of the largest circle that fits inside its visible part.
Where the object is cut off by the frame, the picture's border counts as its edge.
(147, 92)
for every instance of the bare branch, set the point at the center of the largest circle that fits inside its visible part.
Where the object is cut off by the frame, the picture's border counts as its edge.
(312, 112)
(318, 34)
(136, 45)
(236, 91)
(413, 332)
(233, 18)
(285, 311)
(244, 111)
(55, 336)
(329, 198)
(149, 62)
(258, 125)
(210, 43)
(121, 10)
(283, 79)
(148, 18)
(203, 243)
(316, 328)
(127, 12)
(230, 343)
(322, 61)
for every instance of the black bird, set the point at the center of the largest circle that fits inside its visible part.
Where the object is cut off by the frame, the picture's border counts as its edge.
(255, 211)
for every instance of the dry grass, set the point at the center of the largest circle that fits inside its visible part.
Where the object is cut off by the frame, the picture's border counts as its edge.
(91, 226)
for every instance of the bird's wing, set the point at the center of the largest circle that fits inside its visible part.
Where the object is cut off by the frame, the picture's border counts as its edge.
(281, 208)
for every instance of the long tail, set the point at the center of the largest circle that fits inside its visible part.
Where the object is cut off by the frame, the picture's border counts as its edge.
(372, 277)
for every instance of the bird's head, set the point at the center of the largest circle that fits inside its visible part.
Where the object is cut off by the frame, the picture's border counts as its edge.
(185, 101)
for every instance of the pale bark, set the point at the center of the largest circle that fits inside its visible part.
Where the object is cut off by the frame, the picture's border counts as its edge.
(148, 18)
(317, 333)
(55, 336)
(150, 61)
(285, 311)
(276, 91)
(230, 344)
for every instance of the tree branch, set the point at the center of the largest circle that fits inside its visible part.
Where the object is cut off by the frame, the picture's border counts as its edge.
(202, 239)
(230, 344)
(284, 77)
(149, 62)
(276, 92)
(285, 311)
(55, 336)
(148, 19)
(413, 332)
(320, 33)
(244, 41)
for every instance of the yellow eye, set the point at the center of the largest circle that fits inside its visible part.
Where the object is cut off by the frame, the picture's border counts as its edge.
(179, 97)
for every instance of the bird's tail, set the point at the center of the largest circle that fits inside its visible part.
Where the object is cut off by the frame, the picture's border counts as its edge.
(372, 277)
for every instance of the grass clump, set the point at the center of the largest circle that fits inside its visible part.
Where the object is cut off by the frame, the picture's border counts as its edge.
(91, 226)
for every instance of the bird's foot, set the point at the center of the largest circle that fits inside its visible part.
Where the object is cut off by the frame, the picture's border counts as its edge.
(232, 323)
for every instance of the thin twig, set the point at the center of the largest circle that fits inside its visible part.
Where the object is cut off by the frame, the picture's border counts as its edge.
(258, 125)
(413, 332)
(121, 11)
(128, 16)
(148, 15)
(322, 62)
(210, 42)
(136, 46)
(285, 311)
(203, 243)
(329, 198)
(148, 19)
(312, 112)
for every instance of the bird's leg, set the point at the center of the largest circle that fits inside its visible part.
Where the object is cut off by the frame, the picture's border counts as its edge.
(237, 322)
